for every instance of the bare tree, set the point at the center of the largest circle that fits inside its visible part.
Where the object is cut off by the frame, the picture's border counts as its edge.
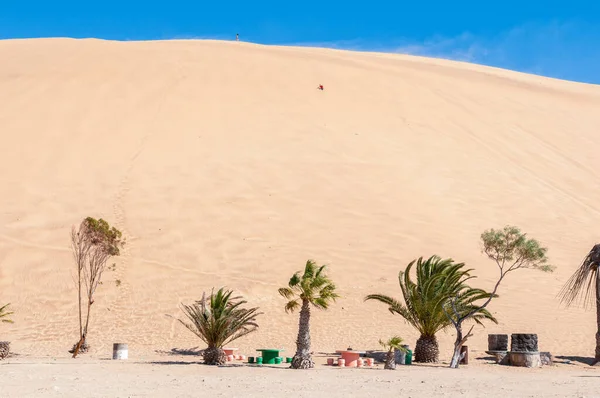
(511, 250)
(93, 244)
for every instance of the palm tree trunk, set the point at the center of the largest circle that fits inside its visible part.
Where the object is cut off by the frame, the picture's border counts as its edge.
(597, 358)
(214, 356)
(427, 349)
(390, 360)
(4, 349)
(303, 359)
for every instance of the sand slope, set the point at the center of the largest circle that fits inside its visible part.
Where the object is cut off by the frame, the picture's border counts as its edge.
(224, 165)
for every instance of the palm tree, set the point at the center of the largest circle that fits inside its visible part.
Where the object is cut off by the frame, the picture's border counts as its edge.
(586, 282)
(4, 314)
(4, 318)
(218, 320)
(392, 345)
(314, 288)
(437, 282)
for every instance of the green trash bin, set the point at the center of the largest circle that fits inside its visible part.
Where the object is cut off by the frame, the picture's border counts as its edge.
(259, 360)
(408, 359)
(288, 360)
(250, 359)
(278, 360)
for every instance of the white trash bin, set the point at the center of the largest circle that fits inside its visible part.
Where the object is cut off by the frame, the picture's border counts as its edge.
(120, 351)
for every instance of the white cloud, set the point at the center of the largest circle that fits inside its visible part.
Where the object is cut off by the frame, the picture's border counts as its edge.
(568, 50)
(464, 47)
(565, 50)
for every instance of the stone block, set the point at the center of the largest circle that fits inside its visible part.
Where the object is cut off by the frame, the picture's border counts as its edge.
(524, 342)
(501, 357)
(497, 342)
(525, 359)
(547, 358)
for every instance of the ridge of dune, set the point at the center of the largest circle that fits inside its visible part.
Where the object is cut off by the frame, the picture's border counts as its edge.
(224, 165)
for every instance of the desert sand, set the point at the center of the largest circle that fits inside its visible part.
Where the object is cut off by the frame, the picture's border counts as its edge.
(225, 166)
(181, 377)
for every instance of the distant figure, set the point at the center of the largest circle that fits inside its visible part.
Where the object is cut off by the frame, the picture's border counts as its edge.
(320, 87)
(237, 37)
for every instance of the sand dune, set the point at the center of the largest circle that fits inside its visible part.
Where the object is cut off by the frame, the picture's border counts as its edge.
(224, 165)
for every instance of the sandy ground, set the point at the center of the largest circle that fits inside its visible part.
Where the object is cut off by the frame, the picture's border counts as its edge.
(224, 166)
(184, 377)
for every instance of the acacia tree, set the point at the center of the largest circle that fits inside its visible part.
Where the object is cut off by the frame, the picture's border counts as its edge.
(93, 244)
(511, 250)
(312, 287)
(586, 282)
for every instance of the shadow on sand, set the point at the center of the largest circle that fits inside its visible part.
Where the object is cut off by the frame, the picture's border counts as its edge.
(486, 358)
(173, 363)
(195, 351)
(237, 365)
(567, 360)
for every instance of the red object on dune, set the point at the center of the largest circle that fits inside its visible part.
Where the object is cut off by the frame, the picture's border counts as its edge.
(321, 87)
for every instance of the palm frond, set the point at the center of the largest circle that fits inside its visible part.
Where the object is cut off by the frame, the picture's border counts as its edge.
(295, 280)
(310, 270)
(329, 292)
(396, 307)
(319, 271)
(318, 282)
(286, 292)
(582, 284)
(321, 303)
(313, 285)
(292, 305)
(4, 314)
(393, 343)
(393, 304)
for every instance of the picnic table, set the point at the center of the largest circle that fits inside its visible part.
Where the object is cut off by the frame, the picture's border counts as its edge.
(269, 354)
(351, 357)
(229, 351)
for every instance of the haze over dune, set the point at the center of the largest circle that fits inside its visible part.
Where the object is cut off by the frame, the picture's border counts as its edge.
(224, 165)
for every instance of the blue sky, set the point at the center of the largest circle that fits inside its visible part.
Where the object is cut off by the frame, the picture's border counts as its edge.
(552, 38)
